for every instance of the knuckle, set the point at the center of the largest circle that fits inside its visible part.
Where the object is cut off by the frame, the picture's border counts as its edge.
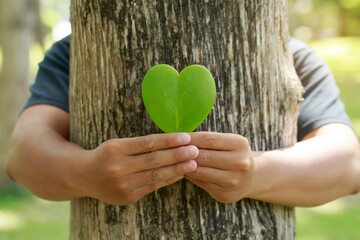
(148, 142)
(123, 187)
(203, 157)
(232, 182)
(209, 139)
(110, 148)
(242, 164)
(246, 165)
(151, 159)
(154, 175)
(199, 175)
(238, 141)
(113, 172)
(242, 141)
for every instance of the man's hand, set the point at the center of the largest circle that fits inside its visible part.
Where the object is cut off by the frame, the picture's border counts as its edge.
(121, 171)
(322, 167)
(225, 165)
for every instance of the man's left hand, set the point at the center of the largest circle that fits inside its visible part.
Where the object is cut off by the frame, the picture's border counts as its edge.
(225, 165)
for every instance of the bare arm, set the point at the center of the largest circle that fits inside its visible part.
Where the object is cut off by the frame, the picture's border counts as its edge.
(119, 171)
(322, 167)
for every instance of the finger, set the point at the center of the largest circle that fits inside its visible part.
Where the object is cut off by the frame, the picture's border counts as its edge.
(215, 176)
(154, 142)
(161, 158)
(142, 191)
(209, 187)
(218, 141)
(153, 176)
(218, 193)
(226, 160)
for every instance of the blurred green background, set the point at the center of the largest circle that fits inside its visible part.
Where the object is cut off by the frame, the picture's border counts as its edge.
(331, 27)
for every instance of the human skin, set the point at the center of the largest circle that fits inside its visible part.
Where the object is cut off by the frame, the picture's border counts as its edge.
(118, 171)
(322, 167)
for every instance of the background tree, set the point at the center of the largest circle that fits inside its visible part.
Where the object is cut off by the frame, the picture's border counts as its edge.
(19, 23)
(244, 45)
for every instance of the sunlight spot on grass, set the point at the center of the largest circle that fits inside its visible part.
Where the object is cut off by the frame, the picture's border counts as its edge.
(9, 220)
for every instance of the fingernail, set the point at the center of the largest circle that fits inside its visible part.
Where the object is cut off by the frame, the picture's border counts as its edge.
(191, 166)
(184, 138)
(191, 152)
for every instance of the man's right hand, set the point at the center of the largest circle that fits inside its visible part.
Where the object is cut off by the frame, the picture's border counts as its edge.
(121, 171)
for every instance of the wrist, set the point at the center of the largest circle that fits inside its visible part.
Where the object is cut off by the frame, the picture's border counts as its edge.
(261, 179)
(76, 177)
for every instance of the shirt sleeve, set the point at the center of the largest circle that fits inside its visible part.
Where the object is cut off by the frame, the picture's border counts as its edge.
(51, 84)
(321, 98)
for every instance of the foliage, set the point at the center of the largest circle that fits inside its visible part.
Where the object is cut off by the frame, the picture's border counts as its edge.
(178, 102)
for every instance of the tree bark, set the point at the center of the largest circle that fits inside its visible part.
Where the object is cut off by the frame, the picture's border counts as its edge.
(17, 20)
(243, 43)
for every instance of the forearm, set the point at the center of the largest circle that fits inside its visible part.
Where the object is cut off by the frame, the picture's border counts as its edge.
(44, 162)
(118, 171)
(311, 172)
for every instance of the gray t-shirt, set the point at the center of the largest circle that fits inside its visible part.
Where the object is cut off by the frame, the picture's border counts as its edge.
(321, 103)
(321, 98)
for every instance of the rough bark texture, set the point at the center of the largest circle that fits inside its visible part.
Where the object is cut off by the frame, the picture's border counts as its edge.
(245, 46)
(17, 21)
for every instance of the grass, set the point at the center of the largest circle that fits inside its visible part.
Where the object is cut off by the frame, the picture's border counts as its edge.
(338, 220)
(23, 216)
(350, 95)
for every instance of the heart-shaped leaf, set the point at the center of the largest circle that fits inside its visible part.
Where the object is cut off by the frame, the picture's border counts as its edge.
(178, 102)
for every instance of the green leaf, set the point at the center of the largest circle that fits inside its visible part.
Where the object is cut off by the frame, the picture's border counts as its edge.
(178, 102)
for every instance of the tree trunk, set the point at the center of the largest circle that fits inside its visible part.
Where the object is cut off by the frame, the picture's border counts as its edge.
(243, 43)
(17, 19)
